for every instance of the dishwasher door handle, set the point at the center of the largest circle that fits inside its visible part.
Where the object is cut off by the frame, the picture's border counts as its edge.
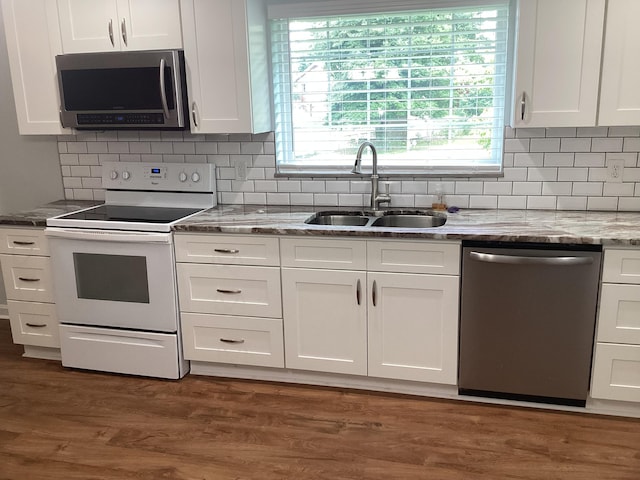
(520, 260)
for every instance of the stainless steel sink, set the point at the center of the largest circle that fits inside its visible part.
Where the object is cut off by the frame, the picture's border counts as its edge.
(383, 218)
(355, 219)
(409, 221)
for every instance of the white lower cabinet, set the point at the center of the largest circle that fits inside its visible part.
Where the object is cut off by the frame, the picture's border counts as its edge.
(229, 339)
(616, 364)
(325, 317)
(230, 302)
(389, 324)
(413, 327)
(26, 272)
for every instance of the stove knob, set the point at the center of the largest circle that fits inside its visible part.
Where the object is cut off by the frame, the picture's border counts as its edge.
(113, 175)
(126, 175)
(182, 177)
(195, 176)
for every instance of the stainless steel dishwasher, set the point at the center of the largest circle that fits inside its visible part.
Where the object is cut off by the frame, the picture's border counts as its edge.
(527, 321)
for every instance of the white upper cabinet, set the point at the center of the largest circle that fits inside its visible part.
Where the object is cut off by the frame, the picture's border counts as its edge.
(112, 25)
(33, 41)
(558, 63)
(619, 89)
(225, 45)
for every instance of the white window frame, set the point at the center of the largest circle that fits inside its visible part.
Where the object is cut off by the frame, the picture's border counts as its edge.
(284, 134)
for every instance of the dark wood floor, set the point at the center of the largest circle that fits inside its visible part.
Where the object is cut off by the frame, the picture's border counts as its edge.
(64, 424)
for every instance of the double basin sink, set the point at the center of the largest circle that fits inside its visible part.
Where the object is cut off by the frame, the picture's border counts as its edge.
(382, 218)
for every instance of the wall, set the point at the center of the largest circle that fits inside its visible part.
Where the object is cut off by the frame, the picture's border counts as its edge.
(553, 168)
(29, 165)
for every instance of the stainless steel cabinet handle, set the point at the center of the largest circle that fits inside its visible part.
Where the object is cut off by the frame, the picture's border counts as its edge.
(523, 105)
(358, 291)
(520, 260)
(229, 340)
(123, 27)
(194, 115)
(26, 279)
(374, 294)
(36, 325)
(226, 250)
(19, 242)
(111, 32)
(224, 290)
(163, 92)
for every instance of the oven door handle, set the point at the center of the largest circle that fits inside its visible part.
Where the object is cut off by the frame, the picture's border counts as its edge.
(107, 235)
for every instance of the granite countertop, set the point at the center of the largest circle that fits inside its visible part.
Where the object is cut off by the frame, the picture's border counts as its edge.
(540, 226)
(38, 217)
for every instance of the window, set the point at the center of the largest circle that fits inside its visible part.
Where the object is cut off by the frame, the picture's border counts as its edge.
(426, 87)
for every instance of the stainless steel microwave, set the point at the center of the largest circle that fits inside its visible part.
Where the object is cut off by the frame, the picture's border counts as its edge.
(123, 90)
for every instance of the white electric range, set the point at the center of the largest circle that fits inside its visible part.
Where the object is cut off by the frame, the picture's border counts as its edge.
(113, 267)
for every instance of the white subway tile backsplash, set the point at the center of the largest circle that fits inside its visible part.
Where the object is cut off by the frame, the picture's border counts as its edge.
(552, 168)
(606, 145)
(602, 203)
(483, 201)
(528, 159)
(558, 159)
(575, 144)
(589, 189)
(516, 145)
(573, 174)
(592, 131)
(545, 145)
(515, 202)
(618, 189)
(527, 188)
(631, 144)
(541, 203)
(556, 188)
(589, 160)
(572, 203)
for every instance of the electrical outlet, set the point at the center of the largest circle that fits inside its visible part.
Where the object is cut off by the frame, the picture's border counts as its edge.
(615, 170)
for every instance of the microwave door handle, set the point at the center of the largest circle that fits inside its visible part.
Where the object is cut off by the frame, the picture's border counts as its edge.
(163, 93)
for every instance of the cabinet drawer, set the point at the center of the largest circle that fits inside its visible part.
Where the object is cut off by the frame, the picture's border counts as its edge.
(27, 278)
(23, 241)
(616, 372)
(34, 323)
(324, 253)
(621, 266)
(227, 249)
(414, 257)
(238, 340)
(619, 317)
(229, 289)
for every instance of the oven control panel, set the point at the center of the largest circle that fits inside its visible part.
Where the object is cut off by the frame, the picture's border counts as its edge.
(173, 177)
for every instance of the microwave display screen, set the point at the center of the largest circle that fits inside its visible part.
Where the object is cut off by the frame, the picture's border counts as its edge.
(116, 89)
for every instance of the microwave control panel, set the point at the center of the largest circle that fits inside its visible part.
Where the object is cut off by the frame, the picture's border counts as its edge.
(173, 177)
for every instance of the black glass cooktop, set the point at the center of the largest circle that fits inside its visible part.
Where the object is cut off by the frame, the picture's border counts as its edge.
(127, 213)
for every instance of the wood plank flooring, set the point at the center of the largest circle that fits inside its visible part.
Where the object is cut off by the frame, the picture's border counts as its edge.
(57, 423)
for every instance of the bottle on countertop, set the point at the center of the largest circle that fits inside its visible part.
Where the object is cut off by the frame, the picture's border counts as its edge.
(440, 201)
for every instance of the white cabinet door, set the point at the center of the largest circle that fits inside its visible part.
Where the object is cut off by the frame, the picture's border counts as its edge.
(149, 24)
(616, 372)
(226, 94)
(33, 41)
(558, 63)
(413, 327)
(325, 320)
(619, 92)
(112, 25)
(89, 25)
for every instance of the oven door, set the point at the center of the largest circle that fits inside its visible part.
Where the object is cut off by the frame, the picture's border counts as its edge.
(114, 278)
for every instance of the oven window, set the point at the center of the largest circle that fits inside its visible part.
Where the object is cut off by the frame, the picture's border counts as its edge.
(116, 278)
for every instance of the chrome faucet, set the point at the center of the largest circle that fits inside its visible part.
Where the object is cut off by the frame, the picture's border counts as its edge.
(376, 197)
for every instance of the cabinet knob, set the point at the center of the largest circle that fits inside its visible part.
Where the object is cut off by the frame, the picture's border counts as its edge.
(110, 27)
